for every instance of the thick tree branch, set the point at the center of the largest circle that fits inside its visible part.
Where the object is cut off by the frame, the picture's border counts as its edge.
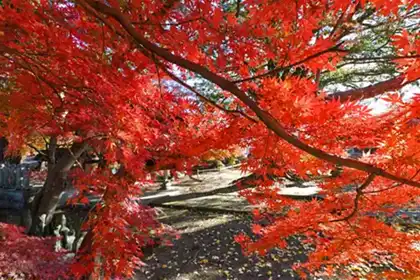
(220, 107)
(370, 91)
(65, 163)
(238, 8)
(163, 67)
(387, 57)
(227, 85)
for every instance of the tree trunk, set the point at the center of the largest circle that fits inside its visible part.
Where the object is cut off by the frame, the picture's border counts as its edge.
(3, 146)
(45, 203)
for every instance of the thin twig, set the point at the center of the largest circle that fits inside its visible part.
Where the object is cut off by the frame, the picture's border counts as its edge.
(178, 80)
(393, 186)
(36, 149)
(359, 193)
(168, 24)
(158, 74)
(339, 21)
(385, 57)
(279, 69)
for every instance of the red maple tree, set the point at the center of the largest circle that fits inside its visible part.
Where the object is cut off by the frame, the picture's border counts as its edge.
(112, 76)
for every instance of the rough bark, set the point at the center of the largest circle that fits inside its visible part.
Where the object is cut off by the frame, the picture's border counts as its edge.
(46, 201)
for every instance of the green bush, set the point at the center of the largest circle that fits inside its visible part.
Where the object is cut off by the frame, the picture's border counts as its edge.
(231, 161)
(219, 164)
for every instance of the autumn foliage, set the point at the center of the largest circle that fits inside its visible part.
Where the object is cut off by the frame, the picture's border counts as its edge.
(112, 76)
(234, 152)
(24, 257)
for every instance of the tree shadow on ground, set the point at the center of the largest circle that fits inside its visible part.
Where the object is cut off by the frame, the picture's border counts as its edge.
(207, 250)
(223, 201)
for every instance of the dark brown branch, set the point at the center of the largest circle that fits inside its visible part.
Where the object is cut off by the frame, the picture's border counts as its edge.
(317, 78)
(166, 8)
(279, 69)
(359, 193)
(227, 85)
(385, 57)
(36, 149)
(370, 91)
(163, 67)
(66, 162)
(220, 107)
(238, 8)
(100, 17)
(396, 185)
(339, 21)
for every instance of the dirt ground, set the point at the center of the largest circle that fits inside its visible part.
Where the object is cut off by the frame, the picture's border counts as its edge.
(207, 250)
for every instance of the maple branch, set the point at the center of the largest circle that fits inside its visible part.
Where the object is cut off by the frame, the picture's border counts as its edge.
(238, 8)
(158, 75)
(270, 122)
(169, 24)
(386, 189)
(386, 57)
(339, 21)
(359, 193)
(166, 8)
(372, 90)
(190, 88)
(36, 149)
(40, 77)
(282, 68)
(66, 162)
(393, 185)
(89, 8)
(75, 159)
(317, 78)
